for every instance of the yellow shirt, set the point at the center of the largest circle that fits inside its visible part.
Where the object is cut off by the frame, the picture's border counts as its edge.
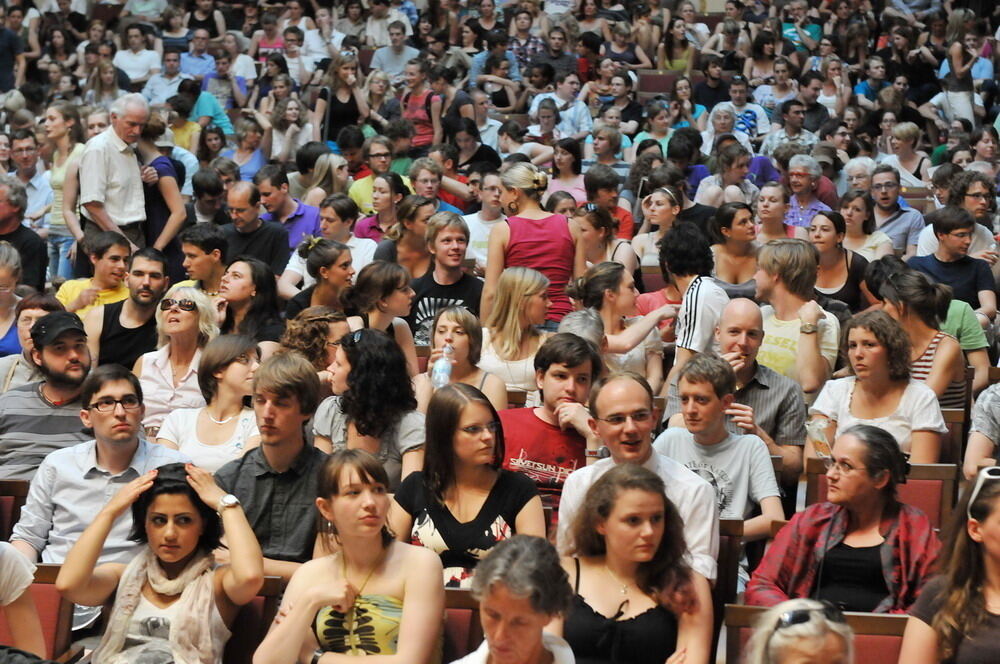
(71, 289)
(182, 136)
(361, 193)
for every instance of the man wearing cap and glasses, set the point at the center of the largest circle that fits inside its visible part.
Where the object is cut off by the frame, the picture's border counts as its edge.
(39, 418)
(74, 483)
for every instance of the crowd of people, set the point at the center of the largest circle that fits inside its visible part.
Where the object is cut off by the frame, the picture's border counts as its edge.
(389, 297)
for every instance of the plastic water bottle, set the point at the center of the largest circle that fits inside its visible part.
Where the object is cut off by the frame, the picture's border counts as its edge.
(441, 371)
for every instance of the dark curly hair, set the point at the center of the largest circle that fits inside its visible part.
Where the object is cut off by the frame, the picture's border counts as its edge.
(171, 479)
(379, 390)
(307, 333)
(684, 250)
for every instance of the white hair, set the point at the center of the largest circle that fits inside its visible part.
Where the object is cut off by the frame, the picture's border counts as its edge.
(981, 166)
(769, 640)
(121, 105)
(806, 162)
(866, 163)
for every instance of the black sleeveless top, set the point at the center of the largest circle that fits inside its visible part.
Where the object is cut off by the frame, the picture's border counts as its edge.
(195, 23)
(648, 638)
(390, 331)
(124, 345)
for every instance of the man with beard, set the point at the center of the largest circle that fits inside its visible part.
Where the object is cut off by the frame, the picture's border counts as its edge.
(120, 332)
(39, 418)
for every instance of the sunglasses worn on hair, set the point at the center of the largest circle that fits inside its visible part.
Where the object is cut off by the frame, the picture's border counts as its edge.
(183, 305)
(799, 616)
(990, 474)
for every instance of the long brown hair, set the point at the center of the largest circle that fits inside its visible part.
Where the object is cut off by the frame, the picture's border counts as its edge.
(964, 570)
(667, 569)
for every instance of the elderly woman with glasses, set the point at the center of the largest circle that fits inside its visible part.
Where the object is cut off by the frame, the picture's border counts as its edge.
(956, 618)
(861, 549)
(803, 177)
(185, 322)
(801, 630)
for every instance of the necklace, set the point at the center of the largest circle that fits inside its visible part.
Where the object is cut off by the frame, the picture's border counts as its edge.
(624, 586)
(218, 421)
(351, 615)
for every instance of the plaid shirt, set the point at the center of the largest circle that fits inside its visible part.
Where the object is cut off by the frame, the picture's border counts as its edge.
(526, 50)
(791, 565)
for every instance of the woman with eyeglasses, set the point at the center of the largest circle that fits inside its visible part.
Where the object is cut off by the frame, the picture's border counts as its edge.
(841, 274)
(373, 407)
(250, 299)
(364, 594)
(185, 323)
(634, 597)
(861, 236)
(382, 297)
(861, 549)
(463, 502)
(957, 617)
(459, 328)
(801, 630)
(880, 391)
(171, 602)
(225, 428)
(329, 264)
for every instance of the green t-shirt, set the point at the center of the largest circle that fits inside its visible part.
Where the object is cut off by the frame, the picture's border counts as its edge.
(964, 326)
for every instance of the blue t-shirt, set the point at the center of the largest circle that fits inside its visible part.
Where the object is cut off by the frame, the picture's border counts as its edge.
(865, 88)
(967, 276)
(9, 343)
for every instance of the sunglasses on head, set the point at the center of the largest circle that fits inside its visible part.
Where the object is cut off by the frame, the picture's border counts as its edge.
(183, 305)
(800, 616)
(985, 475)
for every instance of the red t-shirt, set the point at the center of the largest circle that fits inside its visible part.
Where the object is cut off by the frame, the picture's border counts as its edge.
(626, 225)
(542, 451)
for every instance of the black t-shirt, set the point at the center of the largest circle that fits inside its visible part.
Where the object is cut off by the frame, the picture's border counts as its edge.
(698, 214)
(300, 301)
(708, 96)
(269, 243)
(982, 646)
(431, 297)
(11, 46)
(966, 276)
(462, 545)
(34, 253)
(484, 154)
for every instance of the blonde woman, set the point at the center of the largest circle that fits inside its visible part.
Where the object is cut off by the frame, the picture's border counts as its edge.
(329, 176)
(185, 323)
(291, 129)
(511, 337)
(383, 105)
(913, 165)
(341, 102)
(102, 87)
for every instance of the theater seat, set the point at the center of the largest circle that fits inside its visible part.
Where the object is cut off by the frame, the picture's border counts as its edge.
(55, 613)
(462, 630)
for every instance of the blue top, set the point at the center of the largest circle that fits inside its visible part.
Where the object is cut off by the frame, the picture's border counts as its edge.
(208, 105)
(249, 169)
(9, 343)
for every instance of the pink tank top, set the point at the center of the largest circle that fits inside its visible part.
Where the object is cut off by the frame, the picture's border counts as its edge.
(416, 109)
(545, 245)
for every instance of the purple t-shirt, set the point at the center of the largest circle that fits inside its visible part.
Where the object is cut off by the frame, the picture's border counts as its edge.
(304, 221)
(369, 228)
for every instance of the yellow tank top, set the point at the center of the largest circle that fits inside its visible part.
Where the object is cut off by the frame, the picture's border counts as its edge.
(371, 627)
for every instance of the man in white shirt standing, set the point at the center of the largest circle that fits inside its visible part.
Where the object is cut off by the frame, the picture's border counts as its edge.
(110, 177)
(137, 61)
(621, 406)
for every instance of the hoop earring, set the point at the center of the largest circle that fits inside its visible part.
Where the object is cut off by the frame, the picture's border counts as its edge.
(512, 208)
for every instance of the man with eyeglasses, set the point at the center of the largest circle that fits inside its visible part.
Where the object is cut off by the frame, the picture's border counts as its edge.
(738, 466)
(163, 85)
(24, 154)
(902, 225)
(622, 418)
(73, 483)
(970, 278)
(39, 418)
(120, 332)
(248, 234)
(377, 153)
(972, 191)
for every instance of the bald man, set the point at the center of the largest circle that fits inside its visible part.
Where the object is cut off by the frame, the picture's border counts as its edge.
(766, 403)
(250, 235)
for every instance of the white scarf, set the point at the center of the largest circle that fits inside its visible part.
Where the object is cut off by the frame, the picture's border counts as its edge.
(191, 636)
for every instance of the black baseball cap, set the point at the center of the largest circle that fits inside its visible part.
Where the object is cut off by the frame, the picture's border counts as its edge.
(48, 328)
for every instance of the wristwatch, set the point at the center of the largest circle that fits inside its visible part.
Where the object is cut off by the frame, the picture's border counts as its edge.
(228, 500)
(601, 452)
(808, 328)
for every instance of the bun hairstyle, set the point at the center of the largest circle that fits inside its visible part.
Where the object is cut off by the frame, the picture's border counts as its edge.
(528, 178)
(928, 300)
(590, 288)
(319, 252)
